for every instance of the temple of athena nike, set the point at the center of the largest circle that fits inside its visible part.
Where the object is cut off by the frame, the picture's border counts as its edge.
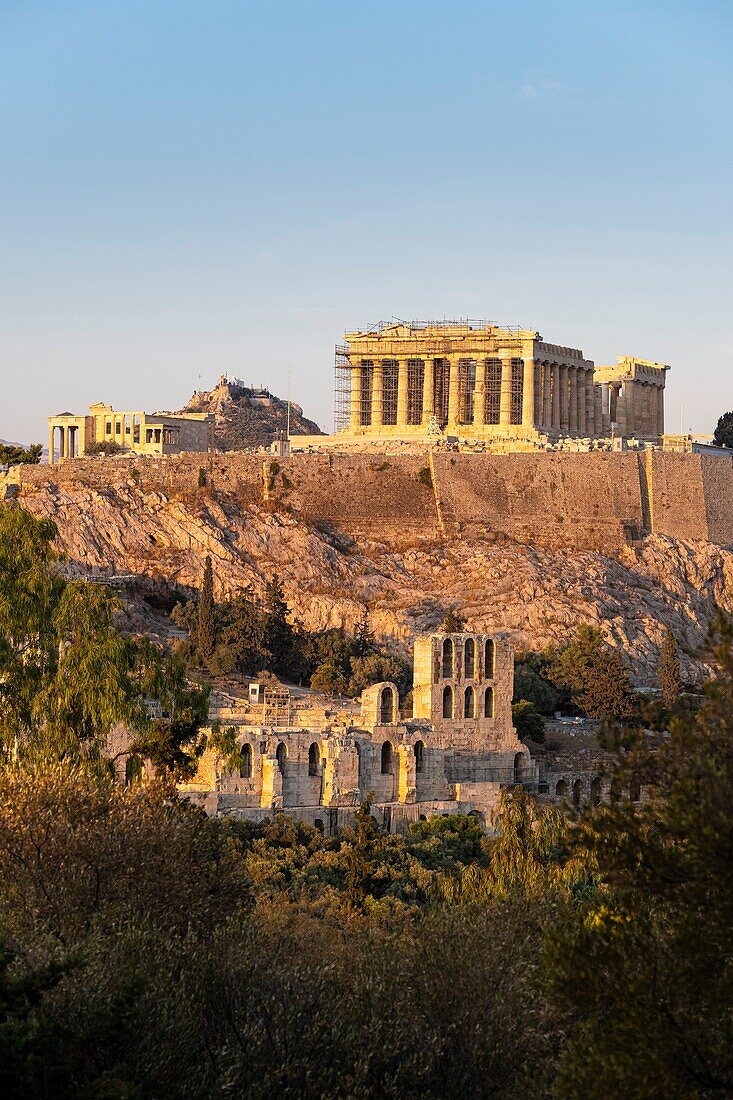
(474, 379)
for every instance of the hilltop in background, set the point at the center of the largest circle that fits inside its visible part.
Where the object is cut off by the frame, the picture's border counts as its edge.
(247, 416)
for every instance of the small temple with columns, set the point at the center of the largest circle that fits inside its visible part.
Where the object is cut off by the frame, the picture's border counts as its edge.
(477, 380)
(72, 436)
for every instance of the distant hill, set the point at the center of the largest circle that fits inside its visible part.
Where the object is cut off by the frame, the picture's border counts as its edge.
(248, 417)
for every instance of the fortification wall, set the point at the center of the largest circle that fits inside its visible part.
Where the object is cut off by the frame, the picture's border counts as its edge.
(596, 501)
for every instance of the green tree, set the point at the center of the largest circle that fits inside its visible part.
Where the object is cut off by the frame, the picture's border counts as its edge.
(595, 675)
(531, 683)
(453, 622)
(669, 671)
(363, 634)
(329, 679)
(278, 629)
(206, 617)
(528, 721)
(643, 968)
(723, 436)
(14, 456)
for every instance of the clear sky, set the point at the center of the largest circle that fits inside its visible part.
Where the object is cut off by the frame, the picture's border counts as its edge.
(190, 187)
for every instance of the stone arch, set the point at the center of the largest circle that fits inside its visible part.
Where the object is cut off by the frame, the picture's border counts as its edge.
(489, 658)
(422, 817)
(561, 788)
(281, 755)
(489, 703)
(318, 824)
(387, 758)
(477, 815)
(313, 759)
(469, 659)
(419, 756)
(576, 792)
(447, 701)
(518, 767)
(596, 790)
(469, 703)
(448, 657)
(386, 707)
(245, 762)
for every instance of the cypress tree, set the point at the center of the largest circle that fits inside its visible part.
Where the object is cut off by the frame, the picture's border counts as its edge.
(363, 635)
(205, 622)
(669, 671)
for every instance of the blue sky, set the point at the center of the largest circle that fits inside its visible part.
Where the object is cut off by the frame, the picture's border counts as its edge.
(190, 188)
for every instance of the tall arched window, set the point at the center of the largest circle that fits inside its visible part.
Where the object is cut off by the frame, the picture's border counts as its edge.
(489, 703)
(386, 758)
(469, 703)
(448, 657)
(313, 759)
(280, 753)
(245, 762)
(489, 655)
(447, 701)
(576, 792)
(419, 756)
(561, 788)
(595, 791)
(386, 707)
(469, 659)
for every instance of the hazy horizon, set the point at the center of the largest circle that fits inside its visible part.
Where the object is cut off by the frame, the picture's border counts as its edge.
(193, 189)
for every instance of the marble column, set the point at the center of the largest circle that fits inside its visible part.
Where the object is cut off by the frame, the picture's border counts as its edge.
(564, 400)
(556, 410)
(505, 413)
(528, 394)
(377, 420)
(573, 408)
(590, 405)
(546, 395)
(355, 403)
(454, 377)
(402, 398)
(660, 410)
(479, 393)
(582, 403)
(427, 391)
(50, 444)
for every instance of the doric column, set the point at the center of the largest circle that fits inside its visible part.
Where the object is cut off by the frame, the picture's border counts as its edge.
(660, 410)
(453, 367)
(50, 444)
(564, 402)
(428, 384)
(528, 394)
(402, 384)
(546, 395)
(355, 405)
(62, 442)
(582, 403)
(573, 411)
(377, 396)
(590, 404)
(479, 394)
(505, 413)
(556, 411)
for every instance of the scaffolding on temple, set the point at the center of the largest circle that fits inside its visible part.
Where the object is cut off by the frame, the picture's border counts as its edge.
(342, 389)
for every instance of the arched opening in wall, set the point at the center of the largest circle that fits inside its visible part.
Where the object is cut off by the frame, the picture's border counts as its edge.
(489, 703)
(280, 754)
(518, 767)
(635, 789)
(469, 659)
(386, 707)
(318, 824)
(133, 770)
(576, 792)
(419, 756)
(561, 788)
(615, 791)
(596, 789)
(313, 759)
(422, 817)
(489, 654)
(476, 815)
(469, 703)
(448, 658)
(447, 701)
(387, 758)
(245, 762)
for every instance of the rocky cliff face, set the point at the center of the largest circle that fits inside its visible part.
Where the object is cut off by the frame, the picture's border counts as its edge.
(537, 595)
(247, 417)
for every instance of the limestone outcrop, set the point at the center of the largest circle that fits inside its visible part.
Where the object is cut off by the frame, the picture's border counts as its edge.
(536, 593)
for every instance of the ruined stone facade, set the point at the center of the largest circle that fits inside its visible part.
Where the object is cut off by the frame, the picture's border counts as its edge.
(453, 756)
(133, 432)
(478, 380)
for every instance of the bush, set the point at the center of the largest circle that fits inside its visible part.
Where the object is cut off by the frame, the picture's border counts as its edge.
(528, 722)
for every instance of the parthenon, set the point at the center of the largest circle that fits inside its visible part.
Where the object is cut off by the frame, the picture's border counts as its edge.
(476, 378)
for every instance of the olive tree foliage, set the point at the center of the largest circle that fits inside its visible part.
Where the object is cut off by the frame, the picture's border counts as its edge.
(67, 675)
